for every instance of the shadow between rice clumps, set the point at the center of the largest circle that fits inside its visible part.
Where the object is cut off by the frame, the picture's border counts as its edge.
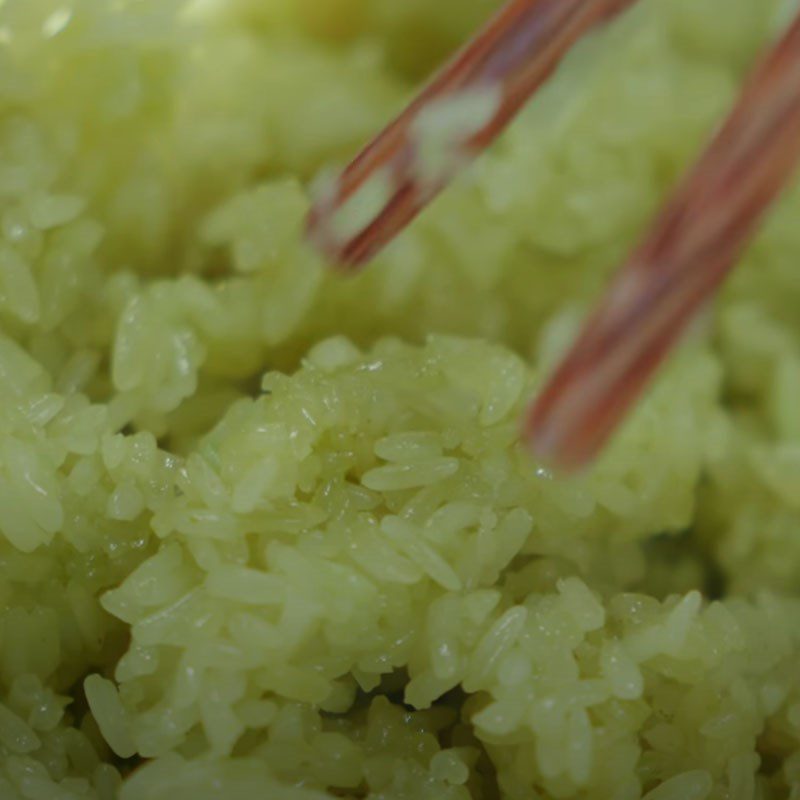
(681, 563)
(458, 732)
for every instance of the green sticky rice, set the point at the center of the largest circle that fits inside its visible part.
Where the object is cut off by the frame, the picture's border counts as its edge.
(269, 533)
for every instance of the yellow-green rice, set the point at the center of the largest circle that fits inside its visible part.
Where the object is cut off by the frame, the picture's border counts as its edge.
(266, 533)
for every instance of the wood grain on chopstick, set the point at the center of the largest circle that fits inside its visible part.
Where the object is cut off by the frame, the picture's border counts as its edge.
(457, 116)
(693, 245)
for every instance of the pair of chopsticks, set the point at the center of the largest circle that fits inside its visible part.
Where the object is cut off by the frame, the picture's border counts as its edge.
(692, 245)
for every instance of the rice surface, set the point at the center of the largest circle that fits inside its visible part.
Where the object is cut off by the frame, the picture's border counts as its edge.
(267, 533)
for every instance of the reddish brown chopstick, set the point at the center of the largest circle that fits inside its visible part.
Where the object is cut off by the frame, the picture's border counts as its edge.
(457, 116)
(692, 246)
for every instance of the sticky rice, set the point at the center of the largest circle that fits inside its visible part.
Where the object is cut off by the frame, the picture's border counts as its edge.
(269, 533)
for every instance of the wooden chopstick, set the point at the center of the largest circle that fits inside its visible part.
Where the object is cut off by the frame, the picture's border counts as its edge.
(694, 243)
(449, 123)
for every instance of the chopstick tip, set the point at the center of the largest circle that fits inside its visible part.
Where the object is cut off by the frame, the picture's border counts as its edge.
(547, 445)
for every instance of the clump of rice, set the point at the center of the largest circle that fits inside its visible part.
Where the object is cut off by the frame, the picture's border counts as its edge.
(264, 532)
